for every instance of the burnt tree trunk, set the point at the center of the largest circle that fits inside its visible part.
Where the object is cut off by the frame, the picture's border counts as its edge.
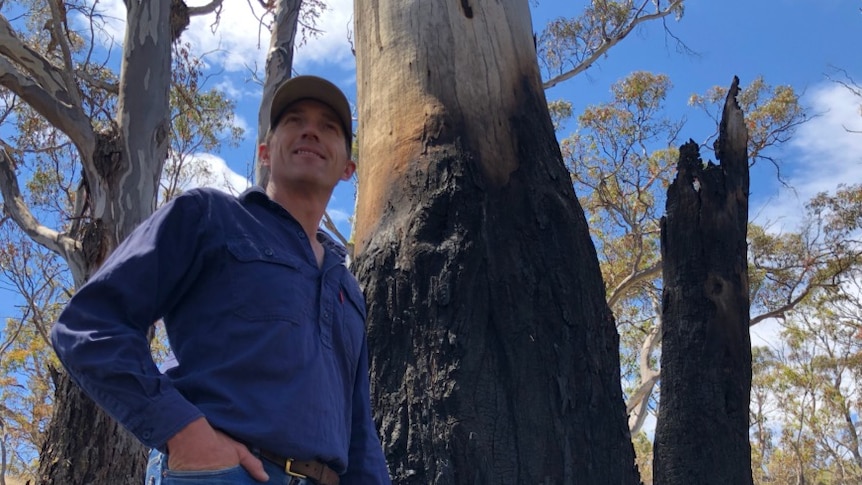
(494, 356)
(702, 432)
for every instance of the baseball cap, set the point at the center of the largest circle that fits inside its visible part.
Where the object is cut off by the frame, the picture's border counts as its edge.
(316, 88)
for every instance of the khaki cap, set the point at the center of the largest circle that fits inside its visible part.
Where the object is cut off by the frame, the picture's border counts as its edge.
(316, 88)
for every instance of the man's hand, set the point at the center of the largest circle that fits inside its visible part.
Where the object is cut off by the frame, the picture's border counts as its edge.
(200, 447)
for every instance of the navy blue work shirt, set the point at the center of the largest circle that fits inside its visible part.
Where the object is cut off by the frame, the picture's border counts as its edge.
(271, 347)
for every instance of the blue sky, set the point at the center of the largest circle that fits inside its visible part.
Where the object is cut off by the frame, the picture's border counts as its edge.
(799, 43)
(792, 42)
(788, 42)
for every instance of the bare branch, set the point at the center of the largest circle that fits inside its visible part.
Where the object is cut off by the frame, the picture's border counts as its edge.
(330, 226)
(113, 88)
(14, 205)
(609, 42)
(780, 311)
(58, 37)
(205, 9)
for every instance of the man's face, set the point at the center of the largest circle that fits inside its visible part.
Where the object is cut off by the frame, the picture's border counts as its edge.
(307, 149)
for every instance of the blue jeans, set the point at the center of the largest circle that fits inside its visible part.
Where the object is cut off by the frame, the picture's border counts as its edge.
(158, 474)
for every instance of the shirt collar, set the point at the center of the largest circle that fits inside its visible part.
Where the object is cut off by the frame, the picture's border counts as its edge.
(256, 194)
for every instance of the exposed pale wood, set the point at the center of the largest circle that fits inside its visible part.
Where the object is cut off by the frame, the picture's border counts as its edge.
(632, 279)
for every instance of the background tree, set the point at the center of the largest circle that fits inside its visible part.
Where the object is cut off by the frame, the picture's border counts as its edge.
(26, 359)
(805, 415)
(279, 62)
(92, 148)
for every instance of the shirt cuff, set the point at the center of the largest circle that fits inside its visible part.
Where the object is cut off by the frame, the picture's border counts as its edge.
(162, 418)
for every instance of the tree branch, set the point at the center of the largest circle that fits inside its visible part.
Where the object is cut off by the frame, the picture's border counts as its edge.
(639, 400)
(330, 225)
(636, 277)
(59, 37)
(113, 88)
(42, 88)
(205, 9)
(780, 311)
(14, 205)
(609, 42)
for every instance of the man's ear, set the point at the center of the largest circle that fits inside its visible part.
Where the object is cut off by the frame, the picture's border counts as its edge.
(348, 170)
(263, 154)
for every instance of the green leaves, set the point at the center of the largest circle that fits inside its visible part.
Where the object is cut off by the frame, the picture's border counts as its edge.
(201, 120)
(771, 114)
(569, 46)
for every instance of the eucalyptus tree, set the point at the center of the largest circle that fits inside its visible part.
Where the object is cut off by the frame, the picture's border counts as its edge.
(80, 167)
(805, 416)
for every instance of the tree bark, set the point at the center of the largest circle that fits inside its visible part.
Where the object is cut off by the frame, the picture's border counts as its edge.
(702, 432)
(279, 62)
(83, 445)
(494, 356)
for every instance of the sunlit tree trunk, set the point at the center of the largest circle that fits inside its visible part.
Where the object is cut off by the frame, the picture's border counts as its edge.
(494, 355)
(702, 431)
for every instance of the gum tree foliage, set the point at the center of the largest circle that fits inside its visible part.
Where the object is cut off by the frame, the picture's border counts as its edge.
(806, 394)
(81, 156)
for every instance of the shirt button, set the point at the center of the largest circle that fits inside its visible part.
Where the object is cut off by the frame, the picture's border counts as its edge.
(267, 252)
(300, 234)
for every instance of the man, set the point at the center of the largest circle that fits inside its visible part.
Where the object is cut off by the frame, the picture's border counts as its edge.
(266, 323)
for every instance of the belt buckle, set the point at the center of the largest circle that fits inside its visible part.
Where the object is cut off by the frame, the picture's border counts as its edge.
(290, 472)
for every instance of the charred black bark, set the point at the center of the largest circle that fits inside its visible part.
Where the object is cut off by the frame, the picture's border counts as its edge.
(702, 432)
(494, 354)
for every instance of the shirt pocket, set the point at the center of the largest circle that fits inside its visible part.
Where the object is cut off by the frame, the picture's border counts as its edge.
(266, 282)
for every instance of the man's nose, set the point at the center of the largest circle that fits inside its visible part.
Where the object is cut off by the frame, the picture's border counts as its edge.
(310, 130)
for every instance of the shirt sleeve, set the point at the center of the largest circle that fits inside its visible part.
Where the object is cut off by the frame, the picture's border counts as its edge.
(101, 335)
(365, 463)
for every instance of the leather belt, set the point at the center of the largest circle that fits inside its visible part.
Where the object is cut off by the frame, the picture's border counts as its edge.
(318, 472)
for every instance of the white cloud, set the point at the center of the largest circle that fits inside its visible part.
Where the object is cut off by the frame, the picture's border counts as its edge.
(207, 170)
(223, 177)
(332, 46)
(237, 43)
(110, 31)
(240, 42)
(825, 154)
(766, 333)
(338, 216)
